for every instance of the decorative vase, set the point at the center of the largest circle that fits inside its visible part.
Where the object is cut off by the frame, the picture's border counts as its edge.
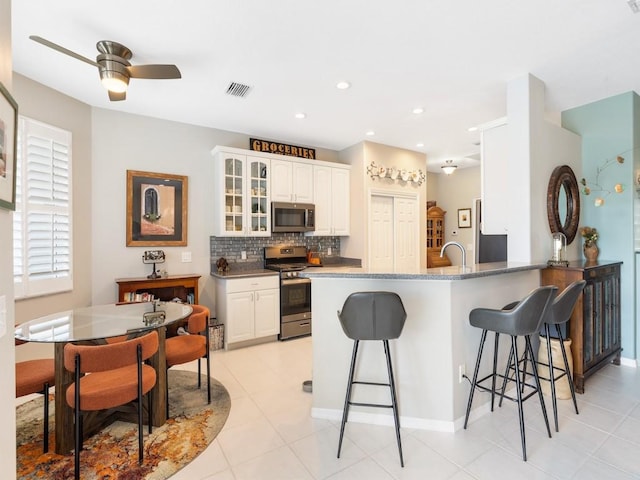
(591, 251)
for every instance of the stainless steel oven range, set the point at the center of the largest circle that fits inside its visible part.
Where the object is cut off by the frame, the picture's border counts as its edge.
(295, 291)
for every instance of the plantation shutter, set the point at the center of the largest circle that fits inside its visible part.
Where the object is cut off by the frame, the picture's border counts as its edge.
(43, 264)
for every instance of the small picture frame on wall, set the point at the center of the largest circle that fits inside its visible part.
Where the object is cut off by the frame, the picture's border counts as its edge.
(8, 140)
(464, 218)
(156, 209)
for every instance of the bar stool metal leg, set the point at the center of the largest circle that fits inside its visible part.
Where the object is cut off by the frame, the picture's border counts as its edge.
(347, 400)
(552, 375)
(495, 367)
(474, 380)
(534, 367)
(514, 352)
(567, 370)
(394, 400)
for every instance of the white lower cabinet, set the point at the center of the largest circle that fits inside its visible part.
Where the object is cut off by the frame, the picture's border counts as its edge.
(249, 307)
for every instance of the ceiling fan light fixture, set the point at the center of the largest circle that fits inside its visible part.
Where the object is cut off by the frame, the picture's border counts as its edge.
(449, 167)
(114, 81)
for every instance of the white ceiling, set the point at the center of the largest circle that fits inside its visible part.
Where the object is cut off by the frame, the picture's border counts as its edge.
(451, 57)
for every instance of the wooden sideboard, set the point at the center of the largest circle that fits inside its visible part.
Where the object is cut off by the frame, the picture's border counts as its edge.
(164, 288)
(594, 327)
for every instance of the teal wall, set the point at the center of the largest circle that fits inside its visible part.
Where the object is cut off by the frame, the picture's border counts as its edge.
(609, 128)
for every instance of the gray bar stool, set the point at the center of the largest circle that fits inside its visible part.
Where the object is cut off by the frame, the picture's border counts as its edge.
(372, 316)
(524, 319)
(560, 313)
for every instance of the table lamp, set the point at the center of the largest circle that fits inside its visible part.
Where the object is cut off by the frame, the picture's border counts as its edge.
(153, 256)
(559, 249)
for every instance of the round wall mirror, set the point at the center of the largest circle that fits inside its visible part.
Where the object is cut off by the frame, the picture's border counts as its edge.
(563, 202)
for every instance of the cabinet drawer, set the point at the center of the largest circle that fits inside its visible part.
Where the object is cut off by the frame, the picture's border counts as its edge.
(248, 284)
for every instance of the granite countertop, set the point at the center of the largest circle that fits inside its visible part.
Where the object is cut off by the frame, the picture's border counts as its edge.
(241, 273)
(254, 269)
(442, 273)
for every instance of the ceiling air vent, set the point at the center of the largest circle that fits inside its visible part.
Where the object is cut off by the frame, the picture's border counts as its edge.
(238, 89)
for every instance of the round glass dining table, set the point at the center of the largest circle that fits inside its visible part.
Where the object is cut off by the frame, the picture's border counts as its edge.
(95, 324)
(101, 322)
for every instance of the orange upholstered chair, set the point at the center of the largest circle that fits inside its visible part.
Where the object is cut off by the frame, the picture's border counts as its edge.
(186, 348)
(117, 377)
(36, 376)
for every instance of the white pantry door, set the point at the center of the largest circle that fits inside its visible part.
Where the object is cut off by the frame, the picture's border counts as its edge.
(393, 234)
(381, 233)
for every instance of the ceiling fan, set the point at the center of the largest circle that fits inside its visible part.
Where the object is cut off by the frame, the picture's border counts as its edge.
(114, 67)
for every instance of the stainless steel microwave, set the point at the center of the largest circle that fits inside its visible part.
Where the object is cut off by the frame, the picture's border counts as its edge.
(293, 217)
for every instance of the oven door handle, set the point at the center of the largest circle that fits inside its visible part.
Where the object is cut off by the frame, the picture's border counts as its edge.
(296, 281)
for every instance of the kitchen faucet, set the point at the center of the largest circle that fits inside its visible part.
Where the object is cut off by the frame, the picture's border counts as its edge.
(464, 253)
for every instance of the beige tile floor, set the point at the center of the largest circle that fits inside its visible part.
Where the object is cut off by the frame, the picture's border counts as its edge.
(270, 434)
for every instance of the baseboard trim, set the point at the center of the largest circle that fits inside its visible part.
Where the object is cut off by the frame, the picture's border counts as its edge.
(386, 420)
(628, 362)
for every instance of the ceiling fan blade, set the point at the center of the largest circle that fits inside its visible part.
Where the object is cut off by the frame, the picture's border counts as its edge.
(66, 51)
(154, 71)
(117, 97)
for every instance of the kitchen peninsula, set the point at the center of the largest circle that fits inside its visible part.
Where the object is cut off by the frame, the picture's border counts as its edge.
(436, 345)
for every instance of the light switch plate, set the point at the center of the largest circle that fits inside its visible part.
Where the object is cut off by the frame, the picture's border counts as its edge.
(186, 257)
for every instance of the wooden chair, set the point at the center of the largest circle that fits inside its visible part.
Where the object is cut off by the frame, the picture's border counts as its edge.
(186, 348)
(117, 377)
(36, 376)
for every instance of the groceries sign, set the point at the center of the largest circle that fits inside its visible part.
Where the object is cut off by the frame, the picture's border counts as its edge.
(282, 149)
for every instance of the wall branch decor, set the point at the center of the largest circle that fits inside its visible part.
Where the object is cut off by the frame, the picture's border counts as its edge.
(393, 173)
(595, 187)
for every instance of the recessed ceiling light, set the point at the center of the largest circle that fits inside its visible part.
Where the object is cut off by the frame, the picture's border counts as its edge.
(343, 85)
(301, 115)
(370, 133)
(472, 129)
(418, 110)
(420, 145)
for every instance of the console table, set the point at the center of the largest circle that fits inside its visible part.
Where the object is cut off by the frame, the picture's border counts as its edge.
(164, 288)
(594, 326)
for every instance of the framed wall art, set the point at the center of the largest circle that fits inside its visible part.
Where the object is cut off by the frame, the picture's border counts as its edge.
(8, 140)
(464, 218)
(156, 209)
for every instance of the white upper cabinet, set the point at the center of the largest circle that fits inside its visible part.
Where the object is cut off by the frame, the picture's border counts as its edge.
(291, 181)
(494, 179)
(241, 195)
(246, 182)
(331, 198)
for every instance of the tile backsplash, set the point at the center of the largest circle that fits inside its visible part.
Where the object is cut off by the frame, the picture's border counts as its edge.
(231, 247)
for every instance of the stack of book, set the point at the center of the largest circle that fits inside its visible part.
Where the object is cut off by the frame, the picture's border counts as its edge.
(138, 297)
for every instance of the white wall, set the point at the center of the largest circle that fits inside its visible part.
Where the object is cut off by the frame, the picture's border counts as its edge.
(46, 105)
(535, 148)
(360, 157)
(457, 191)
(105, 145)
(7, 349)
(124, 142)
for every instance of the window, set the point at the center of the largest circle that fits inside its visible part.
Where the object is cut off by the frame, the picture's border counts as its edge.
(42, 227)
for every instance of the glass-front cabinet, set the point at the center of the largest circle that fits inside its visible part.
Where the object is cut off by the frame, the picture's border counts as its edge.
(259, 196)
(234, 195)
(241, 203)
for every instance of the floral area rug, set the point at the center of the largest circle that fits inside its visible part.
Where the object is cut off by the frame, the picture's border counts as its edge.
(113, 452)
